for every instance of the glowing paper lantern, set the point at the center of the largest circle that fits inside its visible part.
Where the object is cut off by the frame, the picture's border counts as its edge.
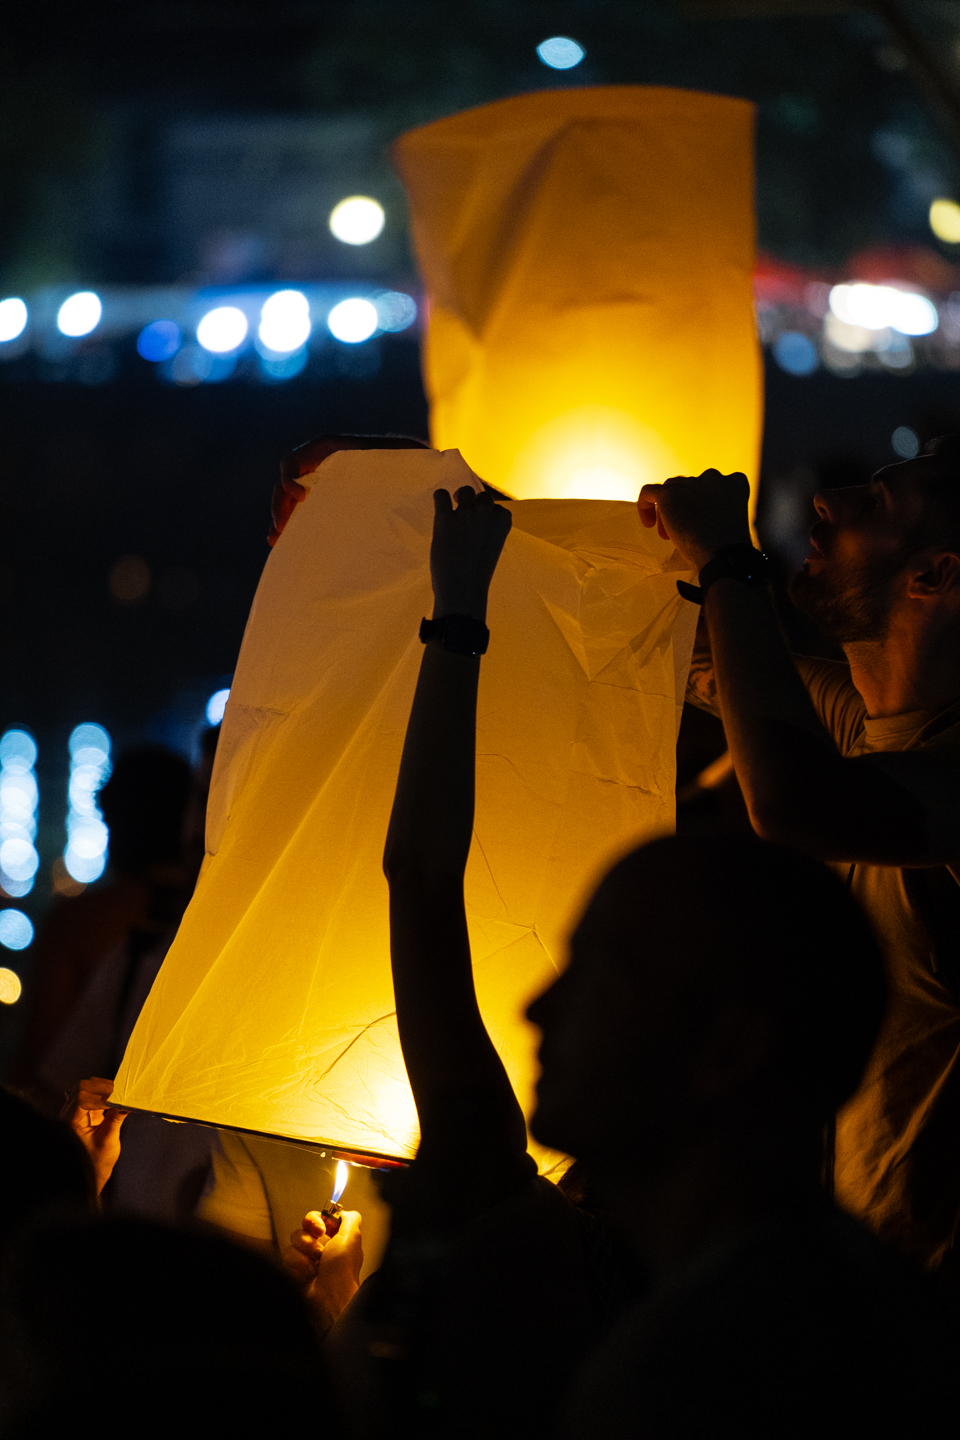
(273, 1011)
(588, 256)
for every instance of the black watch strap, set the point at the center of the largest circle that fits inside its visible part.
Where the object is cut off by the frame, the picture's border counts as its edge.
(738, 562)
(460, 633)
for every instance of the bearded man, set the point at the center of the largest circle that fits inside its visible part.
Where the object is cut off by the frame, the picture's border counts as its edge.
(858, 764)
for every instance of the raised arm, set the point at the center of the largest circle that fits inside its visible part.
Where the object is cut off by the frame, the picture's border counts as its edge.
(459, 1084)
(894, 809)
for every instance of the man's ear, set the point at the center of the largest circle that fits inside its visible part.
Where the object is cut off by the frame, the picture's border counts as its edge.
(941, 576)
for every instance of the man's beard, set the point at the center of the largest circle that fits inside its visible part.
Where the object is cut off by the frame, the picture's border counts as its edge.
(849, 603)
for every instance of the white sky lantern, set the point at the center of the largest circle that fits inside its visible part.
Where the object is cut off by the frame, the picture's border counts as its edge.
(285, 322)
(222, 330)
(357, 220)
(353, 321)
(79, 314)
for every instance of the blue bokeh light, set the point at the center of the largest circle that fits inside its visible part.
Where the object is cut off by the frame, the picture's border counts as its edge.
(560, 52)
(216, 706)
(795, 353)
(16, 931)
(160, 340)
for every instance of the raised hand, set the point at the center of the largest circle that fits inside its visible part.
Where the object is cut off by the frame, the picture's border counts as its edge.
(467, 542)
(701, 514)
(96, 1123)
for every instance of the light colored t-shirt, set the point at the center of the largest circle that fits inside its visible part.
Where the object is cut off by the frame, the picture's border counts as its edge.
(898, 1140)
(263, 1187)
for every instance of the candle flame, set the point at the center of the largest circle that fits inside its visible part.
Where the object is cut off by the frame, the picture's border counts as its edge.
(340, 1184)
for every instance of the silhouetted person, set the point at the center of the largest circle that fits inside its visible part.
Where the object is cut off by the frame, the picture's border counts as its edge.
(494, 1282)
(43, 1167)
(121, 1326)
(163, 1168)
(858, 764)
(144, 803)
(722, 999)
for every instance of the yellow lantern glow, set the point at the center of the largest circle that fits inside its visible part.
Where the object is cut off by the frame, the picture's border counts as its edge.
(588, 258)
(273, 1011)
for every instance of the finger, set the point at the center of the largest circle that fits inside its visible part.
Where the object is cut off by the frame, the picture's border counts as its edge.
(349, 1226)
(299, 1268)
(97, 1083)
(309, 1245)
(466, 496)
(313, 1223)
(442, 504)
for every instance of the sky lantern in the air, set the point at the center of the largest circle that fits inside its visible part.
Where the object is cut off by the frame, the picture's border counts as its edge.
(587, 256)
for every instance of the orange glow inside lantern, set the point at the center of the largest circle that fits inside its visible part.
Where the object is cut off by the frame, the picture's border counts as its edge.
(588, 258)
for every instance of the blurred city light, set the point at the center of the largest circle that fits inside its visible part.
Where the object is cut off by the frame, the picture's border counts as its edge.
(285, 322)
(222, 329)
(13, 318)
(560, 52)
(395, 310)
(160, 340)
(216, 706)
(10, 987)
(881, 307)
(905, 442)
(79, 314)
(86, 854)
(16, 931)
(353, 321)
(795, 353)
(357, 220)
(19, 796)
(283, 367)
(945, 221)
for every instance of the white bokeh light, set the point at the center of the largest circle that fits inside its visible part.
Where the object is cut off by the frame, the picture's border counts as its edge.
(560, 52)
(357, 220)
(13, 318)
(16, 931)
(216, 706)
(395, 310)
(285, 322)
(87, 836)
(883, 307)
(353, 321)
(222, 329)
(79, 314)
(19, 797)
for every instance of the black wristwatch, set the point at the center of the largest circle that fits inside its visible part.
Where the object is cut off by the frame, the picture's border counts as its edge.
(739, 562)
(460, 633)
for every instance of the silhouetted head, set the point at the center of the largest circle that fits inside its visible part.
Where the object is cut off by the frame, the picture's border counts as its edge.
(144, 803)
(305, 458)
(45, 1168)
(890, 543)
(173, 1317)
(710, 975)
